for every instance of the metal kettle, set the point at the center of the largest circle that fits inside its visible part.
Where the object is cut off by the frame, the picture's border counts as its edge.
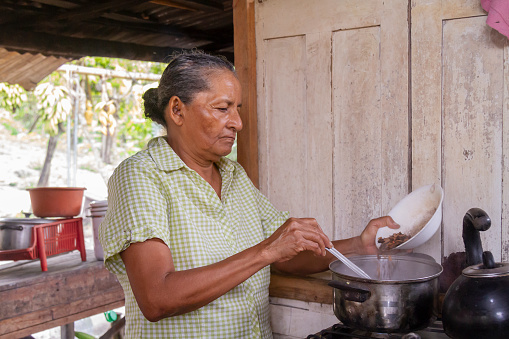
(476, 305)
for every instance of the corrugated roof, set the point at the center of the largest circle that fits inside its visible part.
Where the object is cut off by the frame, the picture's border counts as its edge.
(149, 30)
(26, 69)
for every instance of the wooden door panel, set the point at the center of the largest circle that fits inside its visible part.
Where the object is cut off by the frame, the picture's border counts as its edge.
(473, 84)
(358, 125)
(285, 138)
(333, 108)
(459, 109)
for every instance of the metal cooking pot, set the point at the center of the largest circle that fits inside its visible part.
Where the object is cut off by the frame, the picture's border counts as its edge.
(17, 233)
(476, 305)
(402, 296)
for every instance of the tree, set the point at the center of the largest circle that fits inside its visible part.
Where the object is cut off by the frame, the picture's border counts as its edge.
(54, 106)
(117, 119)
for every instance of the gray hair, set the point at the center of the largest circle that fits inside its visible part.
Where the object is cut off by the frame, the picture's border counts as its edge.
(185, 76)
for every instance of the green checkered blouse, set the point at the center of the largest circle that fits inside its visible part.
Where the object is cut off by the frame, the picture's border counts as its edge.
(153, 194)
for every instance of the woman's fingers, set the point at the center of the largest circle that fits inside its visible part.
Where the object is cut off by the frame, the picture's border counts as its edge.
(317, 236)
(382, 222)
(297, 235)
(368, 236)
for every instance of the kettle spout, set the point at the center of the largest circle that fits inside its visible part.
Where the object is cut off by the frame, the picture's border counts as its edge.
(475, 220)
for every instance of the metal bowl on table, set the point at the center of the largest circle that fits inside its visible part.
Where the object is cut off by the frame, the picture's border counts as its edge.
(16, 233)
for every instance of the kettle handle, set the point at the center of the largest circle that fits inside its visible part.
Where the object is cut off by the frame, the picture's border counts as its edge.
(488, 260)
(475, 220)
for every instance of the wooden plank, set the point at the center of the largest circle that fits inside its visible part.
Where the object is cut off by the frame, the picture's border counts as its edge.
(49, 44)
(33, 301)
(357, 129)
(307, 17)
(41, 326)
(426, 103)
(505, 146)
(245, 65)
(472, 128)
(394, 134)
(318, 138)
(60, 291)
(60, 311)
(284, 136)
(300, 288)
(79, 13)
(192, 5)
(22, 273)
(455, 9)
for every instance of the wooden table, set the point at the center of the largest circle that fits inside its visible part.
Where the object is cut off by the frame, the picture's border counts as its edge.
(32, 301)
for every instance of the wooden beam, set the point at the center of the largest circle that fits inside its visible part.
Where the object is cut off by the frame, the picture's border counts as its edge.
(300, 288)
(82, 12)
(191, 5)
(109, 73)
(245, 64)
(151, 27)
(49, 44)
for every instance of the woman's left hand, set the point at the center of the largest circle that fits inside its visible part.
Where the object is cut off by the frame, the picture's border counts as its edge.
(367, 243)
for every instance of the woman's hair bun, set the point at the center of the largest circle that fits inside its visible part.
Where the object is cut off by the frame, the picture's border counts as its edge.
(151, 106)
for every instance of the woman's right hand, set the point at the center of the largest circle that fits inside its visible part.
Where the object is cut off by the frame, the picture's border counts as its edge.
(293, 237)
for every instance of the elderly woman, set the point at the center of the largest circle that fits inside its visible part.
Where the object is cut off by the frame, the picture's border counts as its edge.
(188, 235)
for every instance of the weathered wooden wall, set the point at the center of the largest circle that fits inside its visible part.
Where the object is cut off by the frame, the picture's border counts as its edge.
(360, 102)
(459, 85)
(333, 132)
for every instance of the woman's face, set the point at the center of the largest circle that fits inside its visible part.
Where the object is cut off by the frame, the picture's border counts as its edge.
(211, 121)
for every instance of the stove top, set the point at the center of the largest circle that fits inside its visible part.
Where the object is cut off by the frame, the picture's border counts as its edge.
(340, 331)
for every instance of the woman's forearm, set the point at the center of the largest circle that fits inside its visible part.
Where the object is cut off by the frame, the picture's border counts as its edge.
(162, 292)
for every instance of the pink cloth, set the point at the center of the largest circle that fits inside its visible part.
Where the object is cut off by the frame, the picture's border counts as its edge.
(498, 15)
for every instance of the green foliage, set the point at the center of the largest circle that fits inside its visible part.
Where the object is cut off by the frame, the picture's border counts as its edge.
(50, 103)
(12, 130)
(82, 335)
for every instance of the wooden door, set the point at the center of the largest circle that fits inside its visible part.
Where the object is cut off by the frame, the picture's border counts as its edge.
(460, 102)
(333, 119)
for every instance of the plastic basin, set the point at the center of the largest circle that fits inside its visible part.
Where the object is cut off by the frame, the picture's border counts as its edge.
(64, 202)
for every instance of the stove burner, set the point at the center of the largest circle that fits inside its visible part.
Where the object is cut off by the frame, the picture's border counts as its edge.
(340, 331)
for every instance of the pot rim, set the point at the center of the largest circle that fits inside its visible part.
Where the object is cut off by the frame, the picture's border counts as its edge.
(429, 261)
(25, 221)
(57, 189)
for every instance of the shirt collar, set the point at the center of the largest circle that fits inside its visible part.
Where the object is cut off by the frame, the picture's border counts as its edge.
(164, 156)
(167, 160)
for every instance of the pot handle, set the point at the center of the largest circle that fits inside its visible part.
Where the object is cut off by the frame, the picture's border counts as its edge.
(351, 293)
(11, 227)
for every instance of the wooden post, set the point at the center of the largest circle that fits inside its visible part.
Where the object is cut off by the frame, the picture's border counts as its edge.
(245, 65)
(67, 331)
